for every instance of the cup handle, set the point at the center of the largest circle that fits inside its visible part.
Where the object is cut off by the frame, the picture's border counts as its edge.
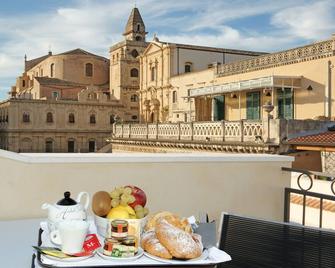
(80, 195)
(55, 237)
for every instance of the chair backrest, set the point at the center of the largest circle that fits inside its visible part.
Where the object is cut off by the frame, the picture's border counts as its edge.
(254, 243)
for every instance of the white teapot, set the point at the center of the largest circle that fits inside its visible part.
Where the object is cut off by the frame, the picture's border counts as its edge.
(66, 209)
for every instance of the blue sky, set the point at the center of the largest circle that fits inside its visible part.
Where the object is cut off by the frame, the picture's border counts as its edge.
(31, 27)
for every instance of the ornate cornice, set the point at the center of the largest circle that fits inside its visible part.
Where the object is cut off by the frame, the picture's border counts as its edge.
(315, 51)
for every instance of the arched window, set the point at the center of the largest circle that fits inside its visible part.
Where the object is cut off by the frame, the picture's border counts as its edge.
(134, 98)
(26, 117)
(92, 119)
(49, 117)
(134, 117)
(188, 67)
(134, 53)
(138, 38)
(23, 83)
(71, 118)
(134, 72)
(174, 96)
(52, 70)
(138, 27)
(89, 69)
(153, 74)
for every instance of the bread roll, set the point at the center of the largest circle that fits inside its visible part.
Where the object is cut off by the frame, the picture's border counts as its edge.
(169, 217)
(151, 244)
(180, 244)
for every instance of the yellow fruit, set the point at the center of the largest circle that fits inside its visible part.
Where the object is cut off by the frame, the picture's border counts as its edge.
(117, 213)
(129, 210)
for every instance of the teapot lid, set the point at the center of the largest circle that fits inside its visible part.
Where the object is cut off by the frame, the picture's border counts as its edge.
(67, 201)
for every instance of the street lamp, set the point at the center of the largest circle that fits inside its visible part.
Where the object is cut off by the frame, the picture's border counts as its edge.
(268, 107)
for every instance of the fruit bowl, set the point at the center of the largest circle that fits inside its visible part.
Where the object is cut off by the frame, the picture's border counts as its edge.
(102, 224)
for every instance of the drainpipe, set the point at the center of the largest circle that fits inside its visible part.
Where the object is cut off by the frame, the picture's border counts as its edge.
(329, 90)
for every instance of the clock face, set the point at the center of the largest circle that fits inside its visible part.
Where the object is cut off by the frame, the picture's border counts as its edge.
(134, 53)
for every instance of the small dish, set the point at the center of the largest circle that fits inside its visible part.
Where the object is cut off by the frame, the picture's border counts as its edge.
(139, 254)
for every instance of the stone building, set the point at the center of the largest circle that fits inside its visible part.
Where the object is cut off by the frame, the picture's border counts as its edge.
(160, 100)
(35, 125)
(125, 65)
(299, 82)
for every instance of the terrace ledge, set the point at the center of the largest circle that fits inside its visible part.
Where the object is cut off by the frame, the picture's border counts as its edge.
(140, 157)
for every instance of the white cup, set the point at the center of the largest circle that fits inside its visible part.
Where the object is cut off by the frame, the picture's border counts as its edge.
(70, 235)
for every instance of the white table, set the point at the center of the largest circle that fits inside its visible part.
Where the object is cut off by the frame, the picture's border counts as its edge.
(18, 237)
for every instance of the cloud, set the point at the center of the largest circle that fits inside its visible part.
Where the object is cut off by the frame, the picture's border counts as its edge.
(311, 21)
(95, 25)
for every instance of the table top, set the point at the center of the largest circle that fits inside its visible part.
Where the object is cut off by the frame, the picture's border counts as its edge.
(18, 237)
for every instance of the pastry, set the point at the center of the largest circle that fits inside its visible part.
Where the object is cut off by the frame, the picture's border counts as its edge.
(179, 243)
(169, 217)
(151, 244)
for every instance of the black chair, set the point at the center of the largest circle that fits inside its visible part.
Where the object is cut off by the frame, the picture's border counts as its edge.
(254, 243)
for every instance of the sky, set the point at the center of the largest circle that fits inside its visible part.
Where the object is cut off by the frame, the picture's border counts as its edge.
(33, 27)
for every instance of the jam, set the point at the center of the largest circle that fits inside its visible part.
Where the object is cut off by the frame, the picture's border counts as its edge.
(119, 229)
(109, 245)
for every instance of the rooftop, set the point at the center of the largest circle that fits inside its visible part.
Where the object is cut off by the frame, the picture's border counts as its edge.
(321, 139)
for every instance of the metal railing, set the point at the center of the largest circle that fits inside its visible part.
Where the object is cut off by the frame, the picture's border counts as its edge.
(218, 131)
(303, 196)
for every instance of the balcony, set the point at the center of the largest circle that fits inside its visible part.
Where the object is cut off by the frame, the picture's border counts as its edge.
(185, 183)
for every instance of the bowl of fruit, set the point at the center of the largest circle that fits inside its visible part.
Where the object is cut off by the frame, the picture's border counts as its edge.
(126, 203)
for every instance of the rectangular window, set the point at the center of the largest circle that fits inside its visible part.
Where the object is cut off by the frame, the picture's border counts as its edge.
(219, 108)
(253, 105)
(285, 103)
(55, 95)
(70, 146)
(91, 146)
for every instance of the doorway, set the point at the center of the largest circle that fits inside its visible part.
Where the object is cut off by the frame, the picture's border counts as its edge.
(253, 105)
(219, 108)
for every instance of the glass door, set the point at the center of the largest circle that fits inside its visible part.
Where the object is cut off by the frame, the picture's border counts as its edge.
(219, 108)
(285, 103)
(253, 105)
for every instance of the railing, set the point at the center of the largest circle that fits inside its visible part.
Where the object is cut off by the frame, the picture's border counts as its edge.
(309, 52)
(218, 131)
(321, 202)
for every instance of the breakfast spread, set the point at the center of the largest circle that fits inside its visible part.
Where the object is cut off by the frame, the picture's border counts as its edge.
(125, 229)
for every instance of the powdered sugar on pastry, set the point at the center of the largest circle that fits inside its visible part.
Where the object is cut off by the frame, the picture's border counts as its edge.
(178, 242)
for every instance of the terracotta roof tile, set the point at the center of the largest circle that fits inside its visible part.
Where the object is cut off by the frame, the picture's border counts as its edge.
(56, 81)
(325, 138)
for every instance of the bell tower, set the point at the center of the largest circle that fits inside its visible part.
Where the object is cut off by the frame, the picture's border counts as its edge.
(135, 28)
(125, 66)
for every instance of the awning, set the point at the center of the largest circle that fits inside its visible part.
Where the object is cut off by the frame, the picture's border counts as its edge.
(268, 82)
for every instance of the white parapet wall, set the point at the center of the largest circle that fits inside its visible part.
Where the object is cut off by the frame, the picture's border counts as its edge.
(188, 184)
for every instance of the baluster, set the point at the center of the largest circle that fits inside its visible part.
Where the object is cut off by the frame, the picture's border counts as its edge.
(147, 131)
(156, 130)
(223, 126)
(129, 131)
(179, 131)
(122, 130)
(242, 130)
(192, 131)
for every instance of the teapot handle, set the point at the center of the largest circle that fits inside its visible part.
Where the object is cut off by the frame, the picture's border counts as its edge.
(80, 195)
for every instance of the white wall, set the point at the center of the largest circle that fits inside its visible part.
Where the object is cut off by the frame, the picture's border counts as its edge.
(187, 184)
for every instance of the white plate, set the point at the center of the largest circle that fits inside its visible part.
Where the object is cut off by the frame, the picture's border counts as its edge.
(70, 259)
(203, 256)
(139, 254)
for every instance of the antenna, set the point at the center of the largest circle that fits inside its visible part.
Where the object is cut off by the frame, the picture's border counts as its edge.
(134, 3)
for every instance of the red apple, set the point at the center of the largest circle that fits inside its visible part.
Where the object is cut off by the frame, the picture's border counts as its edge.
(139, 194)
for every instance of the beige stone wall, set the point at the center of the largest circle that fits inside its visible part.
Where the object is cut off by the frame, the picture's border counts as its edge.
(187, 184)
(31, 136)
(307, 104)
(72, 68)
(123, 86)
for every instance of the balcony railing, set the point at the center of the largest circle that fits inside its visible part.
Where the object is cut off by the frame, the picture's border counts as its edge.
(219, 131)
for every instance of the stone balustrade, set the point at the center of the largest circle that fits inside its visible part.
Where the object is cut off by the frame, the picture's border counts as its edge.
(305, 53)
(219, 131)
